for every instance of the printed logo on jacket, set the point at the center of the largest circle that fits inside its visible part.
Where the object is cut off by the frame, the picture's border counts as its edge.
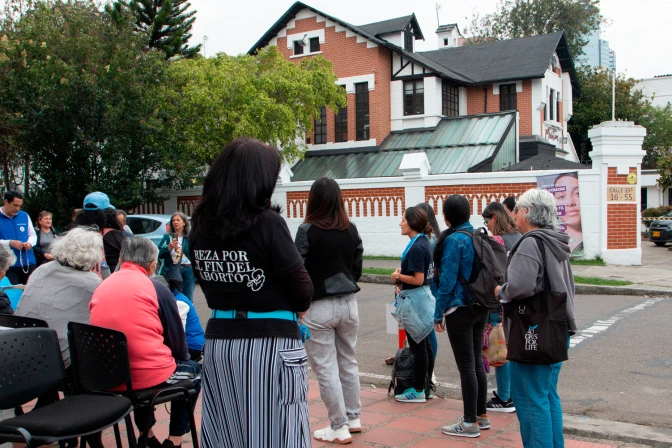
(228, 267)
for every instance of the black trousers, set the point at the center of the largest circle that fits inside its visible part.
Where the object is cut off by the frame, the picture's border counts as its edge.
(16, 276)
(423, 357)
(465, 329)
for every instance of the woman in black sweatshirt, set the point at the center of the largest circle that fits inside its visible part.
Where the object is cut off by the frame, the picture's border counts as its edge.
(332, 252)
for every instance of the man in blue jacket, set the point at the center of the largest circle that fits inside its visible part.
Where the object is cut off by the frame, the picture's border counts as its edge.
(18, 233)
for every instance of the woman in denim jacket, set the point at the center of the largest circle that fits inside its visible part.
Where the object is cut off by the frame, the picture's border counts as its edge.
(464, 322)
(415, 301)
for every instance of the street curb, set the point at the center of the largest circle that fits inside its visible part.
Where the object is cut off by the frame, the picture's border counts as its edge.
(616, 431)
(579, 289)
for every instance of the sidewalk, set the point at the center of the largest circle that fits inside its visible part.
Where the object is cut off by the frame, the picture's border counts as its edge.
(387, 423)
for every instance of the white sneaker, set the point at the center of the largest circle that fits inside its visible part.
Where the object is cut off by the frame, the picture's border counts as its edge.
(340, 435)
(355, 425)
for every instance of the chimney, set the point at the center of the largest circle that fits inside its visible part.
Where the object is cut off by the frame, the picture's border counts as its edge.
(449, 36)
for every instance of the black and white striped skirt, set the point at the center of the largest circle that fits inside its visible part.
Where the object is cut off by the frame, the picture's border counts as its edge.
(255, 393)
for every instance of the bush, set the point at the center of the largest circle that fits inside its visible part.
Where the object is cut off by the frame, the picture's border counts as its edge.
(656, 212)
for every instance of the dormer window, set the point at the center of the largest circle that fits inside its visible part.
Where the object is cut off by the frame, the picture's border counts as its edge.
(314, 44)
(445, 42)
(298, 47)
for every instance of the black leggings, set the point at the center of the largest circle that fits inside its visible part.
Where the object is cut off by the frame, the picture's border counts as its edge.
(465, 329)
(423, 357)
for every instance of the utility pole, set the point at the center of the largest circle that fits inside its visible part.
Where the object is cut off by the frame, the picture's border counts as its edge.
(613, 95)
(438, 23)
(205, 39)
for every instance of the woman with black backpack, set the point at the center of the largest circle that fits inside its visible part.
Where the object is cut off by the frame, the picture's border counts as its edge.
(456, 314)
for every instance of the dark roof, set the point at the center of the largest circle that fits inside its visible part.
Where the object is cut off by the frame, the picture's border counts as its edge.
(298, 6)
(393, 26)
(448, 27)
(546, 162)
(455, 145)
(506, 60)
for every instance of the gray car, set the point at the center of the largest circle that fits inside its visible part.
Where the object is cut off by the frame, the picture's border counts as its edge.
(660, 231)
(153, 227)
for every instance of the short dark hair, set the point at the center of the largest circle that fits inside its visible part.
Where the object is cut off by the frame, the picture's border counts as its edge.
(10, 195)
(325, 206)
(510, 203)
(416, 218)
(456, 210)
(121, 212)
(237, 188)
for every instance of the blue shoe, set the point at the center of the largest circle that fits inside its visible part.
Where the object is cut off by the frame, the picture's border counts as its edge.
(411, 396)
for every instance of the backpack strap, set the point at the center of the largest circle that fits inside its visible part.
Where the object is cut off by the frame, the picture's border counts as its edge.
(542, 249)
(460, 277)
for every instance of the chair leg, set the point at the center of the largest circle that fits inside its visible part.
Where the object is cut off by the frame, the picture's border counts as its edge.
(130, 432)
(194, 432)
(117, 436)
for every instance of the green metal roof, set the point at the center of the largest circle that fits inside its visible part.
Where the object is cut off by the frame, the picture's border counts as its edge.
(454, 146)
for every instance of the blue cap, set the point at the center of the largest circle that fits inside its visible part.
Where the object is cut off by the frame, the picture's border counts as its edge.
(97, 201)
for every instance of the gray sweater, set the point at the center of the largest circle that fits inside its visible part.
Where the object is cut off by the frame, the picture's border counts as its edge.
(525, 271)
(59, 294)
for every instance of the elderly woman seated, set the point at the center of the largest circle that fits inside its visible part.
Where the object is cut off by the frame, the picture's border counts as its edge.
(60, 292)
(7, 260)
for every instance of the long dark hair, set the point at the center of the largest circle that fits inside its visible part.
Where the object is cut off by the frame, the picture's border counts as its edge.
(431, 217)
(457, 211)
(325, 206)
(504, 223)
(237, 189)
(416, 218)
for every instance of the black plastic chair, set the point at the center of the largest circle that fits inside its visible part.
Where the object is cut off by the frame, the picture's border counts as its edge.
(11, 321)
(31, 365)
(100, 363)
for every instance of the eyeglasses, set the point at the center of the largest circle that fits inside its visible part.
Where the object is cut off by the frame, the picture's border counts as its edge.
(485, 221)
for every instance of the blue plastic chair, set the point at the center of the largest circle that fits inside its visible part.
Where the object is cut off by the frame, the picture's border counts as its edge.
(13, 294)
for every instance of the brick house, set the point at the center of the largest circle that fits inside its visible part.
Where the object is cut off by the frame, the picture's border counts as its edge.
(489, 105)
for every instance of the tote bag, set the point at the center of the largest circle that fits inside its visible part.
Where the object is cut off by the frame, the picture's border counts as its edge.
(539, 327)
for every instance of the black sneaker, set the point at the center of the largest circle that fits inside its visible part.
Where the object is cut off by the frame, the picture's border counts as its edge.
(151, 442)
(168, 444)
(498, 405)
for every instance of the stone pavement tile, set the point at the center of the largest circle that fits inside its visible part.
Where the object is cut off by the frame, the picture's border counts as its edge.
(501, 420)
(313, 393)
(317, 410)
(448, 403)
(436, 413)
(386, 436)
(414, 425)
(578, 444)
(509, 439)
(444, 442)
(369, 419)
(393, 407)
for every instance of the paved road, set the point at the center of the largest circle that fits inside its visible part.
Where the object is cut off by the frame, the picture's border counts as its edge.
(620, 369)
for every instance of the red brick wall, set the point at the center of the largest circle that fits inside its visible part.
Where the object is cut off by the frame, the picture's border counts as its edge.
(488, 191)
(622, 225)
(352, 59)
(476, 104)
(353, 198)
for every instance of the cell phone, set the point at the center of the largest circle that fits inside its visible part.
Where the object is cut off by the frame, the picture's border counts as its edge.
(173, 236)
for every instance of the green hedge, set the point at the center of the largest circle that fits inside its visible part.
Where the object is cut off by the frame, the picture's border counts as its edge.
(656, 212)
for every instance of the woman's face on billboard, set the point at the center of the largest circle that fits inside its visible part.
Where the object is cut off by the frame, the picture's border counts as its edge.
(570, 199)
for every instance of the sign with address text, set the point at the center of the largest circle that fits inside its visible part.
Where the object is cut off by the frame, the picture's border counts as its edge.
(621, 193)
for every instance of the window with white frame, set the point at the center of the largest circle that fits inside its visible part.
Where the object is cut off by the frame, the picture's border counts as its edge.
(414, 97)
(298, 47)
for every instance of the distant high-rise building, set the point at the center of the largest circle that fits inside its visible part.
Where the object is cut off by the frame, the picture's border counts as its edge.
(597, 53)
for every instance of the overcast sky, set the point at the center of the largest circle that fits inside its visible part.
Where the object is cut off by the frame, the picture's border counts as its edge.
(639, 30)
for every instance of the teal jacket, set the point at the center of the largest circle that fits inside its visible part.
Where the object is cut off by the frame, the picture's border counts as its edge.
(164, 253)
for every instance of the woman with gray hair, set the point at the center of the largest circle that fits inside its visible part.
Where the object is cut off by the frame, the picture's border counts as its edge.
(60, 292)
(534, 387)
(7, 260)
(174, 250)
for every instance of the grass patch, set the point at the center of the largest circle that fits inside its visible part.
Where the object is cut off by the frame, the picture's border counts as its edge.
(600, 281)
(592, 262)
(381, 257)
(378, 271)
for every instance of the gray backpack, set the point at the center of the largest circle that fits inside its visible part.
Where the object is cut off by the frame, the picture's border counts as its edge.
(488, 272)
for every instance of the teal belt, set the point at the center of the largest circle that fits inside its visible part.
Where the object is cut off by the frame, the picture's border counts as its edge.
(242, 314)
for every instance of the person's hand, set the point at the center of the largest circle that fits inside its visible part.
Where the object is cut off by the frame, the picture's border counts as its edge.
(173, 245)
(440, 327)
(497, 288)
(398, 271)
(27, 245)
(394, 277)
(16, 244)
(49, 257)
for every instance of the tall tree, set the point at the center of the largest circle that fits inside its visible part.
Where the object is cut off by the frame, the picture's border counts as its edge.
(167, 24)
(520, 18)
(81, 96)
(218, 99)
(594, 107)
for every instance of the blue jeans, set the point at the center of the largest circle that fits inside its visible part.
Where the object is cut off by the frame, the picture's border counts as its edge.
(503, 377)
(534, 389)
(433, 342)
(188, 282)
